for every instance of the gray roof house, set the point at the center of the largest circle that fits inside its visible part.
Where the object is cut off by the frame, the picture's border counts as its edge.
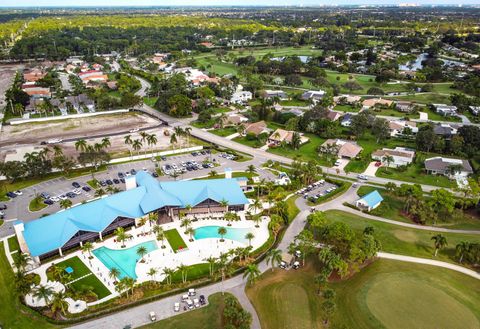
(448, 167)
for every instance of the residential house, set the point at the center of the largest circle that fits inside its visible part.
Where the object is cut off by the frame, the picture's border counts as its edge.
(346, 149)
(346, 99)
(445, 130)
(195, 76)
(255, 128)
(445, 110)
(333, 115)
(36, 92)
(449, 167)
(280, 135)
(92, 76)
(272, 94)
(75, 60)
(59, 104)
(33, 105)
(404, 106)
(370, 201)
(234, 120)
(475, 110)
(241, 97)
(33, 75)
(397, 127)
(400, 156)
(375, 102)
(313, 95)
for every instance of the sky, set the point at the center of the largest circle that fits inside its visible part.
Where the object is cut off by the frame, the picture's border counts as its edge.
(97, 3)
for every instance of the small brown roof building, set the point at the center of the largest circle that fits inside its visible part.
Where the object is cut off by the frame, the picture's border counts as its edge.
(255, 128)
(346, 149)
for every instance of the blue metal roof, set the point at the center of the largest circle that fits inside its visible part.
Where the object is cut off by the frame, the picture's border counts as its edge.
(372, 199)
(52, 232)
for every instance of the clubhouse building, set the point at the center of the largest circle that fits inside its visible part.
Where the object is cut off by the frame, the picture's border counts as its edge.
(54, 234)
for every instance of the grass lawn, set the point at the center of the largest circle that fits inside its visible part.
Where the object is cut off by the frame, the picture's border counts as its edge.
(209, 316)
(194, 272)
(345, 108)
(415, 174)
(432, 115)
(175, 240)
(92, 281)
(36, 204)
(245, 141)
(223, 132)
(79, 270)
(150, 101)
(288, 299)
(13, 314)
(13, 244)
(423, 98)
(293, 102)
(402, 240)
(394, 113)
(307, 151)
(292, 207)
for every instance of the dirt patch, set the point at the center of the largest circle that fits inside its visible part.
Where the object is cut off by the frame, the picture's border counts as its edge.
(73, 128)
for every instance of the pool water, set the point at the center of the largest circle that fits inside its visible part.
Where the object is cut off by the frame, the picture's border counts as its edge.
(237, 234)
(125, 260)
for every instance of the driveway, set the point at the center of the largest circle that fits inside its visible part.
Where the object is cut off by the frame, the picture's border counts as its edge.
(371, 169)
(423, 116)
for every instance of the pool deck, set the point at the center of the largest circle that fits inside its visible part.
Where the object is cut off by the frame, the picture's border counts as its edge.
(161, 258)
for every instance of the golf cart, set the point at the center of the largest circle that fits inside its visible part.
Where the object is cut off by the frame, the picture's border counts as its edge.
(153, 316)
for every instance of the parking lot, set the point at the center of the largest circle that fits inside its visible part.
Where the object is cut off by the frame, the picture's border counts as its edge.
(317, 190)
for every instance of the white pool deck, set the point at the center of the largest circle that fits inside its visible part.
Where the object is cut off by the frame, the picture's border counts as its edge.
(161, 258)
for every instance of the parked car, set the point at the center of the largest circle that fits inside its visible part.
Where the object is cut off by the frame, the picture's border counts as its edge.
(109, 182)
(154, 174)
(164, 158)
(11, 195)
(176, 307)
(48, 202)
(77, 191)
(362, 176)
(55, 198)
(296, 265)
(71, 195)
(122, 180)
(63, 197)
(18, 192)
(3, 206)
(133, 171)
(378, 164)
(116, 181)
(196, 303)
(103, 183)
(189, 304)
(120, 174)
(153, 316)
(86, 188)
(191, 292)
(45, 195)
(76, 185)
(202, 300)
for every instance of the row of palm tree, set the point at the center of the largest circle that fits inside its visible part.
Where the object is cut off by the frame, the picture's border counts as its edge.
(136, 144)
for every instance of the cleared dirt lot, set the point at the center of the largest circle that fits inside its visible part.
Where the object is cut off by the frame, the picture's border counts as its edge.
(7, 74)
(73, 128)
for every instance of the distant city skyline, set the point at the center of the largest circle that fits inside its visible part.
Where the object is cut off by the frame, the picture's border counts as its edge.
(106, 3)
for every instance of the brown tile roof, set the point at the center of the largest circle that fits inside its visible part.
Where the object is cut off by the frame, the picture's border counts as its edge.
(255, 128)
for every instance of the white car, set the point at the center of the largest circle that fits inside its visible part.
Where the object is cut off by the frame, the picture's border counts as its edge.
(55, 198)
(361, 176)
(189, 304)
(63, 197)
(176, 307)
(134, 130)
(2, 213)
(338, 162)
(191, 292)
(18, 192)
(153, 316)
(184, 298)
(77, 191)
(196, 303)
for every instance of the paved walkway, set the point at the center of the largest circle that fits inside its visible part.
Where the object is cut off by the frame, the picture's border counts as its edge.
(432, 262)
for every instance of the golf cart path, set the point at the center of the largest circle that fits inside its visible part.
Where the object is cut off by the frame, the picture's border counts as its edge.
(431, 262)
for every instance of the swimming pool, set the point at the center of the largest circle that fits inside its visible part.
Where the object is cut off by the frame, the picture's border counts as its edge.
(125, 260)
(237, 234)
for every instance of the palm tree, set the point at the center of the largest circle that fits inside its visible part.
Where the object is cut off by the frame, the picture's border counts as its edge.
(188, 207)
(274, 257)
(152, 140)
(222, 231)
(58, 302)
(439, 242)
(369, 230)
(179, 131)
(43, 292)
(257, 219)
(99, 192)
(212, 174)
(152, 218)
(251, 273)
(229, 217)
(188, 133)
(137, 146)
(128, 283)
(190, 231)
(320, 281)
(161, 237)
(65, 204)
(128, 141)
(57, 151)
(122, 235)
(173, 140)
(224, 203)
(144, 136)
(88, 247)
(462, 249)
(21, 260)
(168, 272)
(388, 159)
(256, 205)
(141, 252)
(106, 142)
(81, 145)
(211, 263)
(186, 223)
(114, 273)
(251, 169)
(249, 236)
(184, 270)
(152, 272)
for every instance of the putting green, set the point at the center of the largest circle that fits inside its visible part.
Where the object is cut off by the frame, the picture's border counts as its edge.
(401, 301)
(299, 315)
